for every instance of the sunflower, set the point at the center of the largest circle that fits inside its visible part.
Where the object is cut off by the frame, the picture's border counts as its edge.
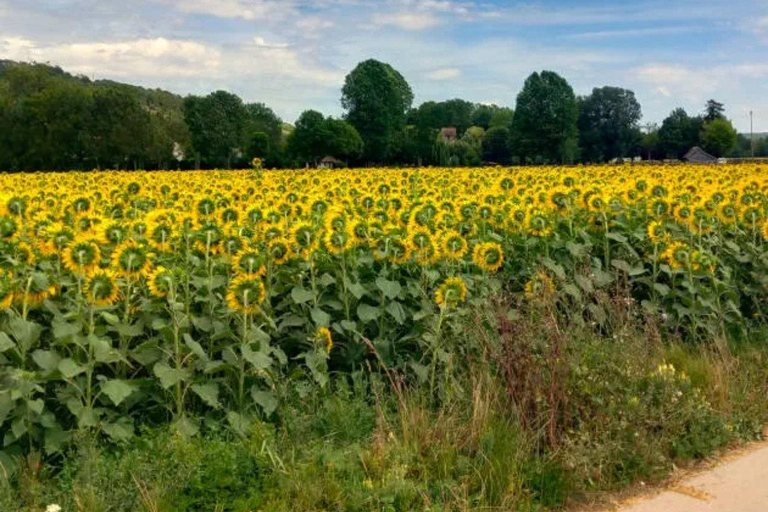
(323, 338)
(422, 246)
(539, 286)
(336, 242)
(279, 251)
(539, 224)
(249, 262)
(8, 226)
(101, 287)
(130, 259)
(159, 282)
(245, 294)
(82, 256)
(488, 256)
(656, 231)
(452, 292)
(6, 289)
(677, 255)
(304, 238)
(453, 245)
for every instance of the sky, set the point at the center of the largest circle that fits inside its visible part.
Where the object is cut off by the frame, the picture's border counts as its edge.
(294, 54)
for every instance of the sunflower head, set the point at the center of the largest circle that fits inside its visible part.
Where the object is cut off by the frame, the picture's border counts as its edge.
(101, 288)
(451, 293)
(488, 256)
(6, 289)
(245, 294)
(160, 282)
(324, 339)
(130, 259)
(453, 245)
(82, 256)
(539, 286)
(250, 262)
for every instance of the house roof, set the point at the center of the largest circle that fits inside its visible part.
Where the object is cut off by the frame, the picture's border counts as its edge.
(330, 160)
(448, 131)
(696, 155)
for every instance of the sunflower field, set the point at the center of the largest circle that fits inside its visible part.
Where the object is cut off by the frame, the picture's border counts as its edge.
(130, 298)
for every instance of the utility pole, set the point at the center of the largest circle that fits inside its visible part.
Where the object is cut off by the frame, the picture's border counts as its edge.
(751, 135)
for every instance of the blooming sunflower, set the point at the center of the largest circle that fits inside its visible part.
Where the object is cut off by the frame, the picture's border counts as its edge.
(130, 259)
(245, 294)
(453, 245)
(159, 282)
(488, 256)
(323, 338)
(452, 292)
(249, 262)
(656, 231)
(101, 288)
(82, 256)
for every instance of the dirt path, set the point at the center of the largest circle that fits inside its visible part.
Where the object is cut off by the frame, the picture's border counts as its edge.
(738, 484)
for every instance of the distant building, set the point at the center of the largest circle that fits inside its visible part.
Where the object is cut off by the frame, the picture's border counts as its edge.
(449, 134)
(330, 162)
(696, 155)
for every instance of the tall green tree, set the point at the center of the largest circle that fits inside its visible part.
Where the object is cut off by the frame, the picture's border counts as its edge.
(263, 133)
(315, 136)
(678, 133)
(713, 110)
(120, 128)
(217, 125)
(497, 146)
(608, 124)
(376, 98)
(545, 122)
(718, 137)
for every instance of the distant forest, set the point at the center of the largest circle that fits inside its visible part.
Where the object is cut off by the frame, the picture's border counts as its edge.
(53, 120)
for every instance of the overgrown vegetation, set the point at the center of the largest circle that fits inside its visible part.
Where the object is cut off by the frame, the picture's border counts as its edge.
(535, 411)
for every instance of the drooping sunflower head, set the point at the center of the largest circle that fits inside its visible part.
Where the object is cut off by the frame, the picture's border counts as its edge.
(656, 231)
(245, 294)
(539, 223)
(130, 259)
(279, 251)
(489, 256)
(453, 245)
(451, 293)
(82, 256)
(324, 339)
(539, 286)
(6, 289)
(160, 282)
(249, 261)
(101, 288)
(305, 238)
(337, 241)
(8, 227)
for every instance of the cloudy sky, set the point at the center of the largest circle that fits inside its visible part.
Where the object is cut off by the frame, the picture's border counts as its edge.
(294, 54)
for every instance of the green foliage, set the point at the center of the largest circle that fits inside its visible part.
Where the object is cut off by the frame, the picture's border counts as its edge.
(679, 133)
(608, 120)
(718, 137)
(545, 121)
(376, 98)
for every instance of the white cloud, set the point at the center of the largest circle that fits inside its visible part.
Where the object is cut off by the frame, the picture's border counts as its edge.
(639, 32)
(245, 9)
(444, 74)
(407, 20)
(261, 43)
(157, 57)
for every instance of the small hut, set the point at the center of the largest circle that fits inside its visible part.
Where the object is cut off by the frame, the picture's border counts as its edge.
(696, 155)
(330, 162)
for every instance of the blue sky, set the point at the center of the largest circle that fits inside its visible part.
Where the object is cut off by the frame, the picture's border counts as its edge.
(294, 54)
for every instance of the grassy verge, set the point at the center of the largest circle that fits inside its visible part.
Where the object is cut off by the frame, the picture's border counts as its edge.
(526, 407)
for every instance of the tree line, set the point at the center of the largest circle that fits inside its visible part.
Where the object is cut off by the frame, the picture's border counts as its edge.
(50, 119)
